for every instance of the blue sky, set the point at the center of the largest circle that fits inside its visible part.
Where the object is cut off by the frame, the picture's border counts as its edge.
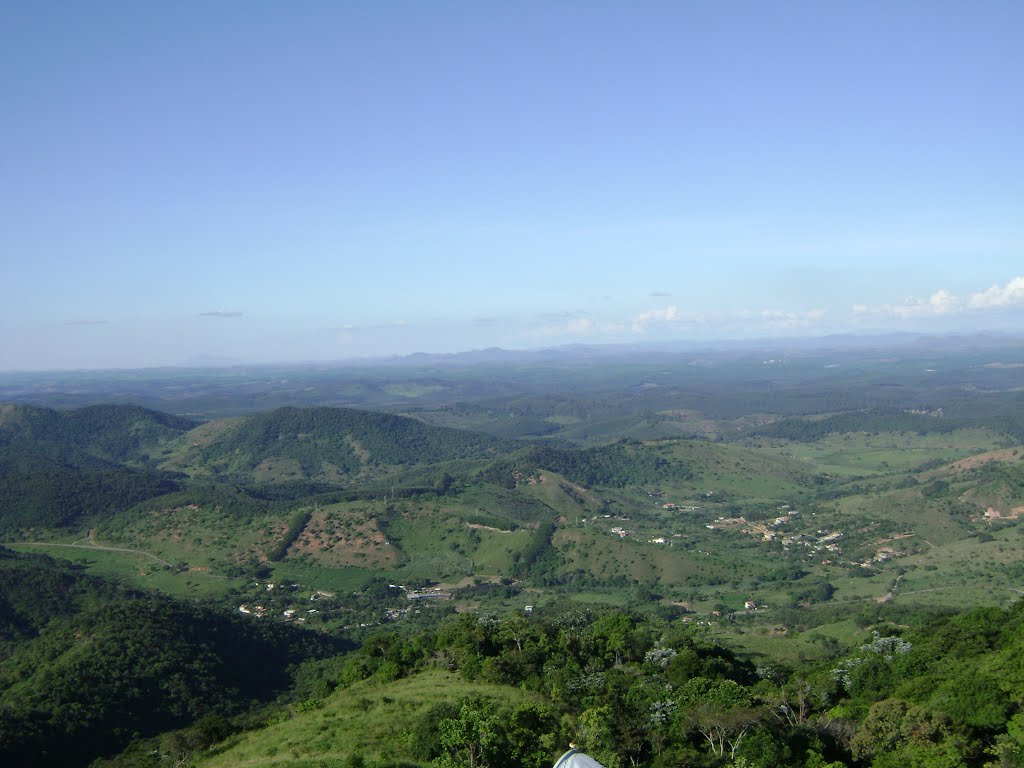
(262, 181)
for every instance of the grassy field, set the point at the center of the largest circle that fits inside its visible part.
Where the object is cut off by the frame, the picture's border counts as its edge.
(765, 642)
(328, 579)
(978, 568)
(733, 472)
(198, 535)
(411, 389)
(439, 542)
(860, 453)
(141, 571)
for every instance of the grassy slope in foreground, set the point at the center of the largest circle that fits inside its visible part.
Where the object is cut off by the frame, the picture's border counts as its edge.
(366, 718)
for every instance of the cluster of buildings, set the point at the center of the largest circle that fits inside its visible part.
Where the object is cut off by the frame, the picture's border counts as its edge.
(259, 611)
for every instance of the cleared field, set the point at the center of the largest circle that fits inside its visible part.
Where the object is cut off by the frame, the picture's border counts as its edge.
(765, 642)
(860, 453)
(140, 571)
(330, 579)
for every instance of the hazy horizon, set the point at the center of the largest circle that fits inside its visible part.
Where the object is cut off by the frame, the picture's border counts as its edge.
(880, 340)
(332, 181)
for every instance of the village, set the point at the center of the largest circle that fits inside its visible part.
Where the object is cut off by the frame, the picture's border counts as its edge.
(295, 603)
(267, 606)
(787, 529)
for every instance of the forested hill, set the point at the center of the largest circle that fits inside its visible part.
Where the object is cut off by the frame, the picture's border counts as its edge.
(98, 664)
(116, 433)
(58, 466)
(34, 590)
(337, 443)
(614, 465)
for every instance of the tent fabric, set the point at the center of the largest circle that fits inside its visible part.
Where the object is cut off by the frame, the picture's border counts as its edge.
(576, 759)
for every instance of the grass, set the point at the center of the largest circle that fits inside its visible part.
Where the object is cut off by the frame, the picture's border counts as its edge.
(554, 491)
(930, 519)
(967, 564)
(316, 577)
(477, 532)
(201, 536)
(141, 571)
(438, 542)
(859, 453)
(735, 472)
(411, 389)
(594, 597)
(765, 642)
(368, 719)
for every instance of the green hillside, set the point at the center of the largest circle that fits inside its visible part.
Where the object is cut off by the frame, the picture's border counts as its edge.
(59, 467)
(378, 723)
(116, 433)
(333, 445)
(905, 689)
(98, 665)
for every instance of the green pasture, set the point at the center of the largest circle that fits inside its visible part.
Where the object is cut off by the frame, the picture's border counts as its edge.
(140, 571)
(562, 496)
(763, 641)
(444, 546)
(338, 580)
(605, 557)
(733, 473)
(930, 519)
(993, 565)
(617, 599)
(411, 389)
(860, 453)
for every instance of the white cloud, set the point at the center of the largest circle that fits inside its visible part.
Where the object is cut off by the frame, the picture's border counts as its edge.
(942, 303)
(996, 296)
(654, 317)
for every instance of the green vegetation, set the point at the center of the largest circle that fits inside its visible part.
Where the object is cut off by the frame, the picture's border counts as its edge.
(99, 664)
(615, 466)
(481, 691)
(332, 445)
(707, 560)
(296, 526)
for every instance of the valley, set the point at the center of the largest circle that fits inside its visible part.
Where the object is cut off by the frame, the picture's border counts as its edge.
(775, 524)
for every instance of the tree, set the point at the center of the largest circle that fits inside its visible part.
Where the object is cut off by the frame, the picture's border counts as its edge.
(1008, 748)
(530, 735)
(721, 711)
(896, 733)
(762, 749)
(471, 739)
(595, 733)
